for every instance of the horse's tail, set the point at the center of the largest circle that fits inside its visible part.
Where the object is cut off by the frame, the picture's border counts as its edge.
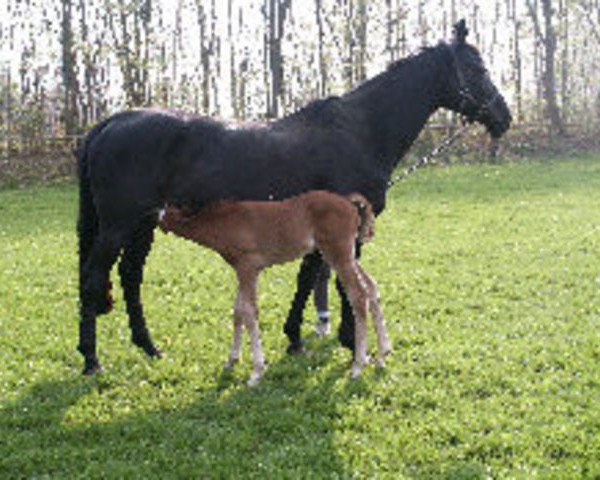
(366, 229)
(87, 222)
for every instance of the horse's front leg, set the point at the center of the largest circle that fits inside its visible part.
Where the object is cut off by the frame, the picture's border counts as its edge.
(306, 279)
(131, 272)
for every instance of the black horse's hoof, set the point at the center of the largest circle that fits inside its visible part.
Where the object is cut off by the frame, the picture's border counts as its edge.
(347, 343)
(155, 353)
(91, 367)
(296, 348)
(150, 350)
(144, 342)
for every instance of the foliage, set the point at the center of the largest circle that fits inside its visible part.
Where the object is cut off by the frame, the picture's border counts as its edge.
(488, 280)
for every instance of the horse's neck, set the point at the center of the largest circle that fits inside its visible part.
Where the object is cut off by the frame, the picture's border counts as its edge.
(397, 103)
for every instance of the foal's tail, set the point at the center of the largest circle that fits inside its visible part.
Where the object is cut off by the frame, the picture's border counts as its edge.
(366, 229)
(87, 223)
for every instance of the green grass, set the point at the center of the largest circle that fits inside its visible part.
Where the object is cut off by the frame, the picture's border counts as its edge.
(490, 282)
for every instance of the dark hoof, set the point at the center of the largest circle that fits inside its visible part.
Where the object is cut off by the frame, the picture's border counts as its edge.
(295, 348)
(91, 367)
(155, 352)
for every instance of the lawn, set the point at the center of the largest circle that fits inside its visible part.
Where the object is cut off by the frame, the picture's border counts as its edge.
(490, 283)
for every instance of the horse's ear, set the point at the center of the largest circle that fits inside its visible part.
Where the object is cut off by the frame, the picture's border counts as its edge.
(460, 31)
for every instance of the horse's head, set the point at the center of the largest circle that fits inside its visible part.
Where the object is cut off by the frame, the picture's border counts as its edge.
(469, 90)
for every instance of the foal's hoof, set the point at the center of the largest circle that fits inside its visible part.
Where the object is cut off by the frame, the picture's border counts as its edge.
(358, 366)
(230, 363)
(254, 379)
(380, 363)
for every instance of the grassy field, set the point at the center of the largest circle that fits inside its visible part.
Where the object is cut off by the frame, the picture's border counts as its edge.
(490, 282)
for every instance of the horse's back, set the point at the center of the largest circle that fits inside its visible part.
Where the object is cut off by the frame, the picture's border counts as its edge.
(135, 155)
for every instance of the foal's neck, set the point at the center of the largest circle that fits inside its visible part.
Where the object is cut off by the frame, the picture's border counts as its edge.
(396, 104)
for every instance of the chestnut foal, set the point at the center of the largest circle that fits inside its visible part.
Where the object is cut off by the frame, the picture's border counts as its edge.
(253, 235)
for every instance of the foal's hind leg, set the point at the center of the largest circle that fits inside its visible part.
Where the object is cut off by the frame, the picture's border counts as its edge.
(383, 341)
(346, 333)
(238, 323)
(131, 272)
(94, 284)
(306, 279)
(358, 295)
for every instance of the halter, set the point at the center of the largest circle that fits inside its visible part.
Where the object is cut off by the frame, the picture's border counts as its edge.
(463, 88)
(465, 96)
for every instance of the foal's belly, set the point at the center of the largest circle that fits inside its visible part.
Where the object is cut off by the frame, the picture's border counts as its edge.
(279, 253)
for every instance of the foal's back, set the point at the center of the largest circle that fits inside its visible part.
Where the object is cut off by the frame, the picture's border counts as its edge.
(268, 233)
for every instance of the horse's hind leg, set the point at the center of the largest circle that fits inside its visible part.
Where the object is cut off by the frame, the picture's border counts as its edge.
(131, 271)
(94, 285)
(306, 279)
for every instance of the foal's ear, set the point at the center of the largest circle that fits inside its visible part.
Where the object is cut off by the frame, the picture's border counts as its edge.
(460, 31)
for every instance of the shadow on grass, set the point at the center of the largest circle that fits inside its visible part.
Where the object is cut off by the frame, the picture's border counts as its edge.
(284, 428)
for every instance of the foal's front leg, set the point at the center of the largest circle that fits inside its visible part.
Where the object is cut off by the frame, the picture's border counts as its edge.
(383, 341)
(247, 309)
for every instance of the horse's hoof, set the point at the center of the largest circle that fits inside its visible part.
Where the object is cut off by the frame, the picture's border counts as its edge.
(147, 346)
(155, 352)
(347, 343)
(296, 349)
(322, 329)
(91, 368)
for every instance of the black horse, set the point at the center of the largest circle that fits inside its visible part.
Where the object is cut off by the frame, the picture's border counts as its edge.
(135, 162)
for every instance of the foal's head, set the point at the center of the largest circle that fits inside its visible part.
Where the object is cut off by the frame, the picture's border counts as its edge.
(469, 90)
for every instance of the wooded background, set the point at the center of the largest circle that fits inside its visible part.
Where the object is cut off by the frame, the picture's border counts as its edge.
(66, 64)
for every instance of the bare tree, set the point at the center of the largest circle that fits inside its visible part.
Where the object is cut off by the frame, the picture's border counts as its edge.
(276, 12)
(546, 36)
(69, 77)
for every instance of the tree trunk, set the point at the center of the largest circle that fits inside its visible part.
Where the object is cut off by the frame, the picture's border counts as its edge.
(547, 39)
(321, 47)
(277, 13)
(68, 70)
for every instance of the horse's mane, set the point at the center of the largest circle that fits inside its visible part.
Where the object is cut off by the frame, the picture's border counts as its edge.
(400, 67)
(327, 112)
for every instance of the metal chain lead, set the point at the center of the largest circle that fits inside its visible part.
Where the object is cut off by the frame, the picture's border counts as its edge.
(426, 159)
